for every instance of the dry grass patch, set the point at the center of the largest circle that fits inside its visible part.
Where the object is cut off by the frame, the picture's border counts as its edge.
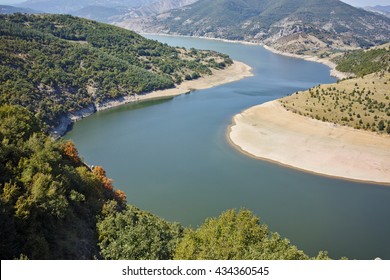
(362, 103)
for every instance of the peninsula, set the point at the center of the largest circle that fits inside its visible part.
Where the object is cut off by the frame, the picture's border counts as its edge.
(340, 130)
(270, 132)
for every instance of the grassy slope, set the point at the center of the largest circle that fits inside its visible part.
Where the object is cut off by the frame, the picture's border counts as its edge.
(360, 103)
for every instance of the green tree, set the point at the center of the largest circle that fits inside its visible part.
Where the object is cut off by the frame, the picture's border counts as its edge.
(48, 202)
(136, 235)
(235, 235)
(381, 125)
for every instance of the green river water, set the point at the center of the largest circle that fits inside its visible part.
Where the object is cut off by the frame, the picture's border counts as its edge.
(173, 159)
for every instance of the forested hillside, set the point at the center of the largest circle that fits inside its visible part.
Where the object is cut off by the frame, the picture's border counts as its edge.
(55, 64)
(294, 26)
(49, 199)
(363, 62)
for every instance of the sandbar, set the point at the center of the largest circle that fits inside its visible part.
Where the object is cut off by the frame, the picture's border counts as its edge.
(268, 131)
(237, 71)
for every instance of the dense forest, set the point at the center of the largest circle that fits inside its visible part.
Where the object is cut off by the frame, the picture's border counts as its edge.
(49, 199)
(364, 62)
(55, 64)
(54, 206)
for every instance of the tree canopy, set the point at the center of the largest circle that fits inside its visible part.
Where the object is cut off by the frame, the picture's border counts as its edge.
(364, 62)
(49, 198)
(235, 236)
(137, 235)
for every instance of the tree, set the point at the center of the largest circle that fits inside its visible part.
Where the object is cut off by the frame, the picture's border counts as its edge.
(136, 235)
(101, 175)
(235, 235)
(381, 125)
(48, 203)
(71, 152)
(120, 196)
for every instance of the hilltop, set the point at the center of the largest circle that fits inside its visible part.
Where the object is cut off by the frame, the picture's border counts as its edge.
(104, 10)
(361, 103)
(298, 26)
(69, 6)
(6, 9)
(382, 10)
(59, 64)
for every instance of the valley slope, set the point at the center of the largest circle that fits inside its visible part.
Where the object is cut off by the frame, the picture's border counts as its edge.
(298, 26)
(58, 64)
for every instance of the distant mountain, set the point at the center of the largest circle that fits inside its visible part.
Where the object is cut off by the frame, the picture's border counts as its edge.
(297, 26)
(155, 8)
(105, 10)
(69, 6)
(120, 14)
(5, 9)
(383, 10)
(100, 13)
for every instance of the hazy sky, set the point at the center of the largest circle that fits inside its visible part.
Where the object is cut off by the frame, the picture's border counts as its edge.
(358, 3)
(362, 3)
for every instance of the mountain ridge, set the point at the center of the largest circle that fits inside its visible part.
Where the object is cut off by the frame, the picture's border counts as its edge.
(294, 26)
(105, 10)
(7, 9)
(68, 6)
(382, 10)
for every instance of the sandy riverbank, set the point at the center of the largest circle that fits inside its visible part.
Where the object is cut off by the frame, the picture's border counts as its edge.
(232, 73)
(333, 72)
(270, 132)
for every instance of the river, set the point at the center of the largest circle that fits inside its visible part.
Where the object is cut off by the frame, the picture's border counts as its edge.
(173, 159)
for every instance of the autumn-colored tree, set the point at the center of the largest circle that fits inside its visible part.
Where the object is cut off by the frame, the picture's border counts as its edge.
(101, 174)
(70, 151)
(120, 196)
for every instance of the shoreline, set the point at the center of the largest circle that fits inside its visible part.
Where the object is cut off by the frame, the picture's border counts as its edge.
(235, 72)
(332, 72)
(271, 133)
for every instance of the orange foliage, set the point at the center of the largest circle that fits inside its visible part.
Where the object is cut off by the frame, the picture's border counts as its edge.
(71, 151)
(101, 174)
(120, 196)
